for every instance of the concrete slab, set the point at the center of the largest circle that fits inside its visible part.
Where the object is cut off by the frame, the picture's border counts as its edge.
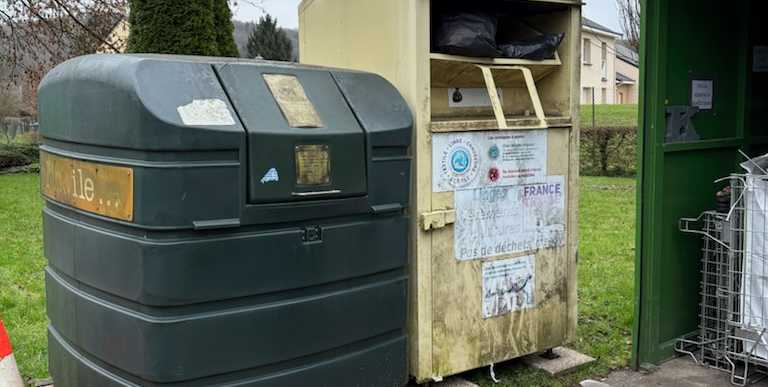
(454, 381)
(567, 360)
(593, 383)
(680, 372)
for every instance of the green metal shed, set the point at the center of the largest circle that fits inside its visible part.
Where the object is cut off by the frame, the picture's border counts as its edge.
(711, 54)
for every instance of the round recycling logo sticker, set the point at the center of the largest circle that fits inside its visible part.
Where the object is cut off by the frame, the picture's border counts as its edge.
(459, 163)
(460, 160)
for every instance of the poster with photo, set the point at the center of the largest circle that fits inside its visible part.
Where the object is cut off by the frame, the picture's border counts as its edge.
(508, 285)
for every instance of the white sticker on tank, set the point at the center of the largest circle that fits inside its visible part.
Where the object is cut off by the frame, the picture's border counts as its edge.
(270, 176)
(206, 112)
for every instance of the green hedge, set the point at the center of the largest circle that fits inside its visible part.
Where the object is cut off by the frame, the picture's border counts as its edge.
(18, 154)
(608, 148)
(608, 151)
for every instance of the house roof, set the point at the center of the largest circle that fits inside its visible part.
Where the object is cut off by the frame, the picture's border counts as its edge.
(621, 78)
(627, 54)
(597, 26)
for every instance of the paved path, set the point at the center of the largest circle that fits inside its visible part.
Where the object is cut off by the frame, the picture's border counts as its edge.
(680, 372)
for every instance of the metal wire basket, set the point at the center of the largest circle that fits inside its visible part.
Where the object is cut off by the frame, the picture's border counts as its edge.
(708, 346)
(733, 308)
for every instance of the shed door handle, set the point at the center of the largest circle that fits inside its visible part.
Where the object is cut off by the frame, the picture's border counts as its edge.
(316, 193)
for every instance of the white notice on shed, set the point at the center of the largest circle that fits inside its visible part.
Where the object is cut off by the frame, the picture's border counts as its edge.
(508, 285)
(480, 159)
(503, 220)
(702, 94)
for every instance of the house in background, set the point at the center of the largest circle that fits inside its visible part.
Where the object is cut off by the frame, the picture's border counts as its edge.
(609, 70)
(627, 74)
(20, 83)
(118, 39)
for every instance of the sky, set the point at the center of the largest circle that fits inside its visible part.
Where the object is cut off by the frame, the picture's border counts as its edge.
(286, 11)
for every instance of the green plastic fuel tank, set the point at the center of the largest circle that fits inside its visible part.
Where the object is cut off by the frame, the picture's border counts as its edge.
(213, 222)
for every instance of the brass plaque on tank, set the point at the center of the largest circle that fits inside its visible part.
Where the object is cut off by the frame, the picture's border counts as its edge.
(99, 188)
(293, 101)
(313, 165)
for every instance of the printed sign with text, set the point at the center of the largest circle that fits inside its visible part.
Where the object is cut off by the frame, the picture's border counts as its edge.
(504, 220)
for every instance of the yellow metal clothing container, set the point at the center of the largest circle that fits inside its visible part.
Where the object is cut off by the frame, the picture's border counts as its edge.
(494, 214)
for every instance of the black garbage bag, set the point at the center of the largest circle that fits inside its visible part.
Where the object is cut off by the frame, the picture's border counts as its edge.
(540, 47)
(467, 33)
(518, 39)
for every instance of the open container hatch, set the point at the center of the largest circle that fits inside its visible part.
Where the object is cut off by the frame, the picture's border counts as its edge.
(482, 91)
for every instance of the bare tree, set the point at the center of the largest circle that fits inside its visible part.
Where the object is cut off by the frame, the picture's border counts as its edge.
(35, 35)
(9, 107)
(629, 15)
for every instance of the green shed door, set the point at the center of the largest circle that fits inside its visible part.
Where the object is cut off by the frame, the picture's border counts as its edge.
(705, 45)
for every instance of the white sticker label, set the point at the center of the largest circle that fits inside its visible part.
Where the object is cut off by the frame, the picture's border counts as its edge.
(508, 285)
(206, 112)
(760, 60)
(480, 159)
(270, 176)
(504, 220)
(702, 94)
(471, 97)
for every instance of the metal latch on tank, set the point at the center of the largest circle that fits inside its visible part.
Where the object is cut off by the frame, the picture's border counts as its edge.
(437, 219)
(311, 234)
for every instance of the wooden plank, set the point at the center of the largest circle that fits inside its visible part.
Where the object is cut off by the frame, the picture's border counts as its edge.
(574, 73)
(490, 85)
(523, 123)
(417, 45)
(465, 74)
(497, 61)
(534, 95)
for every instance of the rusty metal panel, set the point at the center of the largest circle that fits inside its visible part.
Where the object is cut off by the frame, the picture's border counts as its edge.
(99, 188)
(313, 165)
(293, 101)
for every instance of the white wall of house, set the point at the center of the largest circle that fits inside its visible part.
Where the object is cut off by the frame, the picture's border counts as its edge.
(627, 93)
(118, 39)
(598, 69)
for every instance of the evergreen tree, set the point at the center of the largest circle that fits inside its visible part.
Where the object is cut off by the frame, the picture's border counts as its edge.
(189, 27)
(225, 29)
(269, 41)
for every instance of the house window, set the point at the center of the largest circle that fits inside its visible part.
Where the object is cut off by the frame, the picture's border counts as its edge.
(604, 96)
(587, 95)
(587, 54)
(604, 61)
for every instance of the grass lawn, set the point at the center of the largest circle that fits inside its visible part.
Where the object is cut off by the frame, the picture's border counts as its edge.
(609, 116)
(605, 287)
(606, 263)
(22, 290)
